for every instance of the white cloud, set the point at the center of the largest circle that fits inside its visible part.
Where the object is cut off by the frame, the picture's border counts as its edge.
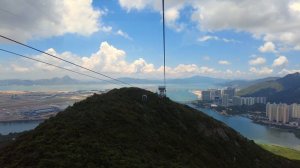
(138, 5)
(224, 62)
(288, 71)
(123, 34)
(295, 6)
(271, 20)
(172, 10)
(182, 68)
(261, 71)
(267, 47)
(106, 29)
(41, 19)
(216, 38)
(18, 68)
(172, 15)
(257, 61)
(280, 61)
(108, 60)
(207, 38)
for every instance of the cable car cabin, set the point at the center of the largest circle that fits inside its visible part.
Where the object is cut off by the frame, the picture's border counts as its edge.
(162, 91)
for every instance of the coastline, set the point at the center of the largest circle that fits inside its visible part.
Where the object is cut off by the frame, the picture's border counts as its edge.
(21, 120)
(259, 133)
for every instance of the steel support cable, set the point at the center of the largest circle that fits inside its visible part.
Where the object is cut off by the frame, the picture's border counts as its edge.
(12, 40)
(70, 70)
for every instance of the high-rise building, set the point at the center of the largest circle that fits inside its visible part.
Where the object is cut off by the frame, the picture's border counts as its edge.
(212, 95)
(231, 92)
(283, 113)
(294, 110)
(261, 100)
(248, 100)
(218, 94)
(206, 95)
(237, 101)
(225, 100)
(278, 112)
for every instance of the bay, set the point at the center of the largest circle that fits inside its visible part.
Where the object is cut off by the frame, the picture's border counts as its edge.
(258, 133)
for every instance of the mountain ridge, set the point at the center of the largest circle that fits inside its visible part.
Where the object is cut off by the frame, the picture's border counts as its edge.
(68, 80)
(282, 90)
(246, 83)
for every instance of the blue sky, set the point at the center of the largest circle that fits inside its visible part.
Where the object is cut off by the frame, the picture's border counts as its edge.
(225, 39)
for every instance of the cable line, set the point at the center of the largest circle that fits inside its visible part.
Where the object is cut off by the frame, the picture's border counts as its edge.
(164, 41)
(33, 59)
(12, 40)
(162, 89)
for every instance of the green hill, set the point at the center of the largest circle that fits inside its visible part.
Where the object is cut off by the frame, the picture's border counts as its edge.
(284, 90)
(118, 129)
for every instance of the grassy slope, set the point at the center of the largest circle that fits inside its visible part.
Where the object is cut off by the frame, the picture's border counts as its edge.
(260, 86)
(282, 151)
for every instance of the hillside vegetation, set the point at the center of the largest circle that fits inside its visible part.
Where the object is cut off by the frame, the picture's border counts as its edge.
(117, 129)
(284, 90)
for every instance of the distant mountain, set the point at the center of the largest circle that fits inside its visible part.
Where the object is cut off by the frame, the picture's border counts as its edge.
(68, 80)
(285, 89)
(246, 83)
(53, 81)
(120, 130)
(198, 80)
(189, 80)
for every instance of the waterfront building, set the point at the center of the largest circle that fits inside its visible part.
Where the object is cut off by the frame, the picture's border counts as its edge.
(227, 97)
(295, 110)
(278, 112)
(212, 95)
(238, 101)
(206, 95)
(260, 100)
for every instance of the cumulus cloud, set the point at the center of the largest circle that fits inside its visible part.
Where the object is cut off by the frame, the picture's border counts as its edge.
(108, 60)
(18, 68)
(172, 10)
(257, 61)
(40, 19)
(261, 71)
(267, 47)
(280, 61)
(277, 20)
(271, 20)
(224, 62)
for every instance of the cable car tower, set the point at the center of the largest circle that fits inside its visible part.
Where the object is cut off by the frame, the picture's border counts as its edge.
(162, 89)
